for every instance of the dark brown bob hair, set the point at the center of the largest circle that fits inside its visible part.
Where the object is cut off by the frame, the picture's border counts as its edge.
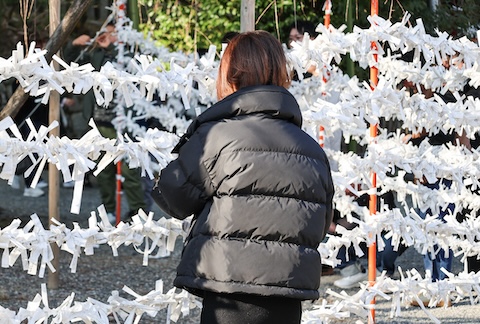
(252, 58)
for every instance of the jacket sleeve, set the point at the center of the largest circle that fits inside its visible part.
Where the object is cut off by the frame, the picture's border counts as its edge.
(329, 202)
(72, 53)
(182, 188)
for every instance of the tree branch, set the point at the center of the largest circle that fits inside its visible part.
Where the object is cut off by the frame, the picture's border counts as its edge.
(56, 41)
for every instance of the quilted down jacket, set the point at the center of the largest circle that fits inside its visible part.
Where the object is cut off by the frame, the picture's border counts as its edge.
(260, 190)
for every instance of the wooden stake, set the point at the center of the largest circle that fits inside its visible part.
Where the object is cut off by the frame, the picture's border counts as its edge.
(53, 173)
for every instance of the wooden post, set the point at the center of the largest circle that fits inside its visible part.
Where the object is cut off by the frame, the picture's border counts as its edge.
(53, 173)
(372, 249)
(247, 16)
(56, 41)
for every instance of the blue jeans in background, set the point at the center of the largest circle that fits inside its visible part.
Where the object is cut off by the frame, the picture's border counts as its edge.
(342, 255)
(386, 258)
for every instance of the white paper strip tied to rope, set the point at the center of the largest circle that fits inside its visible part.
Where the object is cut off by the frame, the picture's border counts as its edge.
(405, 290)
(81, 153)
(325, 313)
(147, 235)
(333, 43)
(32, 243)
(177, 304)
(38, 79)
(160, 234)
(11, 243)
(169, 114)
(398, 36)
(328, 46)
(388, 156)
(406, 226)
(150, 84)
(400, 292)
(122, 80)
(431, 199)
(425, 235)
(144, 108)
(358, 102)
(92, 311)
(459, 193)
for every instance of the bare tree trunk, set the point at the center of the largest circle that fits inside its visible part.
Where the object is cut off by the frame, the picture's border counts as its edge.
(56, 41)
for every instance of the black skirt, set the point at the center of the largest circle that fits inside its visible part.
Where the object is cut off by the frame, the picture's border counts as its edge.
(249, 309)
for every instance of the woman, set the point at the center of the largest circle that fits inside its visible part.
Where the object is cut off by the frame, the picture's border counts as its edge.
(259, 188)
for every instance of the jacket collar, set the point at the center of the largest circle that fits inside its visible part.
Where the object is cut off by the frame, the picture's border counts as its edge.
(271, 100)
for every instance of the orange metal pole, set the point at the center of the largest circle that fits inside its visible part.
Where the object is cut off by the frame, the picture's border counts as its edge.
(372, 249)
(118, 214)
(327, 13)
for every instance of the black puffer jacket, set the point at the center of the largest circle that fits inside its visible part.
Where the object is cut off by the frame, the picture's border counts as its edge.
(261, 193)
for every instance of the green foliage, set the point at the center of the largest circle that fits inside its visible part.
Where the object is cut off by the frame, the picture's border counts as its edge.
(187, 26)
(190, 25)
(177, 24)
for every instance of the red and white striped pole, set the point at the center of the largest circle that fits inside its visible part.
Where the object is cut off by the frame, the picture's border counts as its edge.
(118, 210)
(372, 249)
(121, 12)
(327, 7)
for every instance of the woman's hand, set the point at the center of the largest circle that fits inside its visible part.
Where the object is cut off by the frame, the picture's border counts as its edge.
(82, 40)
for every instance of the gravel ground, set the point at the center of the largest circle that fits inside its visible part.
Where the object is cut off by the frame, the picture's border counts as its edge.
(98, 275)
